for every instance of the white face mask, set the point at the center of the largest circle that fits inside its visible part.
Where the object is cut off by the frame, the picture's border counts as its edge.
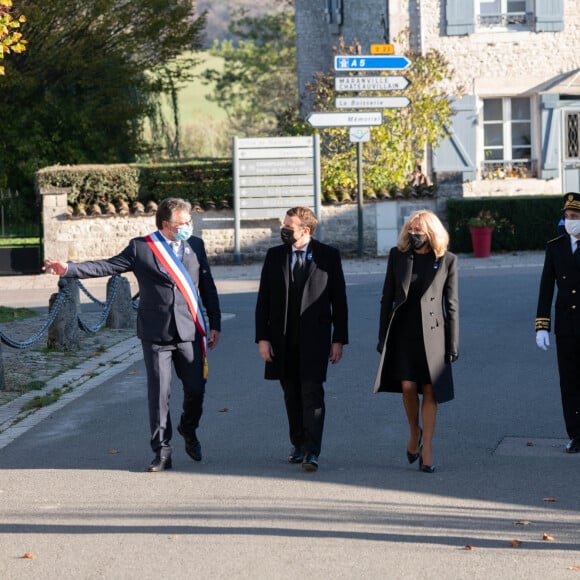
(572, 227)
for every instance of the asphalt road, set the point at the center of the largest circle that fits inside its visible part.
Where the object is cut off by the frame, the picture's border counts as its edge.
(74, 493)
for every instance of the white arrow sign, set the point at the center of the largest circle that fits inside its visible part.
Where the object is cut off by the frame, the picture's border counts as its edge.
(370, 83)
(371, 102)
(345, 119)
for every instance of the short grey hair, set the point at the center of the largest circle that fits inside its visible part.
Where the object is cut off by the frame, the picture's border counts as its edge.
(168, 207)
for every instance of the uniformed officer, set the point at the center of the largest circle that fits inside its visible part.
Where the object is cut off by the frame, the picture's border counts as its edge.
(562, 268)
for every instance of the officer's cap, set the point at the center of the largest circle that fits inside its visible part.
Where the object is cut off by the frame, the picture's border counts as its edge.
(572, 201)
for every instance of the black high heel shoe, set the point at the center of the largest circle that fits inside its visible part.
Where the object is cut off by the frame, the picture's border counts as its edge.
(425, 468)
(412, 457)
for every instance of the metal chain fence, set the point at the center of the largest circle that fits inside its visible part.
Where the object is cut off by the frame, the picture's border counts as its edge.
(64, 294)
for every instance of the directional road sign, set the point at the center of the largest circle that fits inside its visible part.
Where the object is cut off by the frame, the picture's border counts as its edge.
(345, 119)
(371, 102)
(370, 62)
(370, 83)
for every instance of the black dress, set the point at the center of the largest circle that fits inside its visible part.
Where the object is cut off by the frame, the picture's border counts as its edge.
(406, 336)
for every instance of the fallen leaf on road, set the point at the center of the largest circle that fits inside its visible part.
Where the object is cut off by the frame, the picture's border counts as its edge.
(552, 499)
(530, 443)
(469, 547)
(522, 523)
(515, 543)
(113, 451)
(28, 556)
(224, 410)
(573, 567)
(547, 538)
(132, 372)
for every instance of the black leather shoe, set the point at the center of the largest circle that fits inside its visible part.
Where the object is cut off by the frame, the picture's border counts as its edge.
(310, 462)
(160, 464)
(296, 455)
(573, 446)
(192, 445)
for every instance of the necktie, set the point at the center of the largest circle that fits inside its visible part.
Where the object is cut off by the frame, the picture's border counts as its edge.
(175, 247)
(298, 269)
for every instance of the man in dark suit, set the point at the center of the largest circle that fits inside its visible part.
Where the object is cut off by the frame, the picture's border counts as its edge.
(301, 324)
(562, 268)
(173, 273)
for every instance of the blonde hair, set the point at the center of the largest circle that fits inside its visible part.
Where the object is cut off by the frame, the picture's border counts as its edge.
(437, 236)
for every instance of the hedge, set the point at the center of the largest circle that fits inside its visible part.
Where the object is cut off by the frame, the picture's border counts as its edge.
(523, 223)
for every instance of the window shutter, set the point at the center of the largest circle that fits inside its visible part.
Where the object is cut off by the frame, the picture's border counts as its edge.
(549, 15)
(550, 123)
(460, 16)
(457, 151)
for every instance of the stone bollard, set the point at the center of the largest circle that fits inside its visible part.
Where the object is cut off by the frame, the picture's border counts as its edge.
(64, 333)
(121, 315)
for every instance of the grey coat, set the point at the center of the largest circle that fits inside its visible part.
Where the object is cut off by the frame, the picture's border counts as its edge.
(440, 320)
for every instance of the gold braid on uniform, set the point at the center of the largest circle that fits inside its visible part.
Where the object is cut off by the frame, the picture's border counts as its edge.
(543, 324)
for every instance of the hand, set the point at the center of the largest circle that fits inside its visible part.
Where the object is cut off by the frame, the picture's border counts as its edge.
(265, 350)
(542, 339)
(213, 339)
(335, 352)
(55, 267)
(451, 357)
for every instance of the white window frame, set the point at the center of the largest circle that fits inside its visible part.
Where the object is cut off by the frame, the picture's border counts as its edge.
(507, 166)
(505, 21)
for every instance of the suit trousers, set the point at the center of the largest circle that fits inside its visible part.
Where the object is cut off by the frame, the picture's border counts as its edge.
(159, 359)
(304, 400)
(568, 349)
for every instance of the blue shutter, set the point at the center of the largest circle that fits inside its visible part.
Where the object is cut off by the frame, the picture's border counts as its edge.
(550, 124)
(460, 17)
(457, 151)
(549, 15)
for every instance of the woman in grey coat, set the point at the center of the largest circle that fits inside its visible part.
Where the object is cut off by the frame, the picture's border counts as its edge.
(419, 328)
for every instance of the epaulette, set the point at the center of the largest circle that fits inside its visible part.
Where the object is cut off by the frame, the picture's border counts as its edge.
(556, 238)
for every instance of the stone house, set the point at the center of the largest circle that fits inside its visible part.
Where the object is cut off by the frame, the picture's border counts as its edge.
(516, 129)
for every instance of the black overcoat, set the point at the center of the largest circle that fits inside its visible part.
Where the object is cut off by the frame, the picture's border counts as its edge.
(439, 315)
(560, 270)
(323, 311)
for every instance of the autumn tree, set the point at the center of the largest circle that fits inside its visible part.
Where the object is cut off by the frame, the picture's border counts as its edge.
(90, 77)
(10, 37)
(397, 145)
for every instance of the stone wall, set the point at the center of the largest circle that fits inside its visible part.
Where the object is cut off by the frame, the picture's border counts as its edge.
(93, 238)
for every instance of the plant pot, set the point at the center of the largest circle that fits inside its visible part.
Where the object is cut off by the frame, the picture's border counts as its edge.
(481, 241)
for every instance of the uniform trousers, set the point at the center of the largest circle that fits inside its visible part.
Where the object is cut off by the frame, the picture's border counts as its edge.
(304, 400)
(568, 349)
(159, 359)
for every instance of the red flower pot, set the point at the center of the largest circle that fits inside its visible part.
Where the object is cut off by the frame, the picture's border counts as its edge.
(481, 241)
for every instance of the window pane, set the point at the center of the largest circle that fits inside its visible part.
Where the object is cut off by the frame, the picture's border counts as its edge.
(494, 154)
(521, 153)
(521, 134)
(492, 110)
(516, 6)
(493, 136)
(487, 7)
(521, 109)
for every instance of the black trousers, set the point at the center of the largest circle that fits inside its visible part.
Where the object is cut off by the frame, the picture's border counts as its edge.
(304, 400)
(159, 359)
(568, 349)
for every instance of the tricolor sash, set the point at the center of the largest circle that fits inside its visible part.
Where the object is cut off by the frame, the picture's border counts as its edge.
(176, 270)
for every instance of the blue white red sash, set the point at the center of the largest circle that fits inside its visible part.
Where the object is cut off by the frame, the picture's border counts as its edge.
(176, 270)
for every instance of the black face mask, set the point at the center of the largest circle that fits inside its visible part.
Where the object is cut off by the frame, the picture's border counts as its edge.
(287, 236)
(417, 241)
